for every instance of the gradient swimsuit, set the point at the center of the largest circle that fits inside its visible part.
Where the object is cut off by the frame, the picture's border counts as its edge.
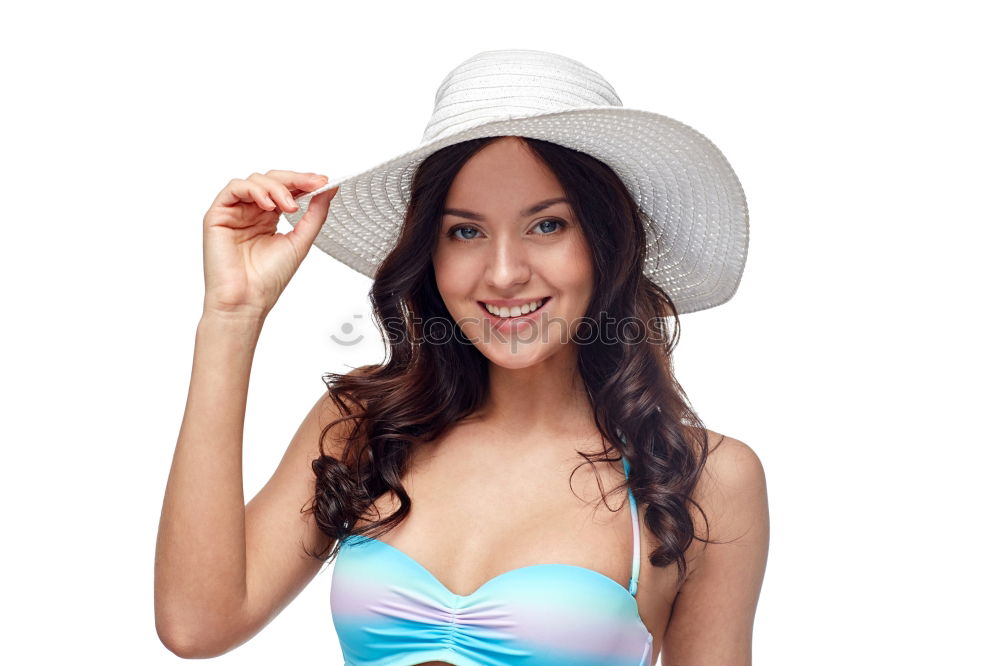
(388, 610)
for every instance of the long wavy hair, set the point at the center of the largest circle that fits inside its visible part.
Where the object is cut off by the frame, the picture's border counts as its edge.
(422, 389)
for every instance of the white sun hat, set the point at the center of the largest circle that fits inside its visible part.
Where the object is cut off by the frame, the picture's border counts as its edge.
(694, 205)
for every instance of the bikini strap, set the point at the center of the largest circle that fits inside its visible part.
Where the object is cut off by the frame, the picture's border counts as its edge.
(633, 583)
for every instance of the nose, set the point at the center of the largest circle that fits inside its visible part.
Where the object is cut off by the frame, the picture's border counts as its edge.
(508, 265)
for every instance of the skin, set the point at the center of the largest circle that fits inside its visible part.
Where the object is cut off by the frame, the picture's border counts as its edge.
(519, 449)
(225, 570)
(507, 256)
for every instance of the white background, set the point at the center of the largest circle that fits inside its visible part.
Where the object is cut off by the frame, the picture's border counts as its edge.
(857, 358)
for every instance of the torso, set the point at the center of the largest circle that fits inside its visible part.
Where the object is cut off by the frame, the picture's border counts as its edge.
(487, 501)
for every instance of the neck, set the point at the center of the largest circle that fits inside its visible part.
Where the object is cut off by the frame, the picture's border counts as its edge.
(545, 399)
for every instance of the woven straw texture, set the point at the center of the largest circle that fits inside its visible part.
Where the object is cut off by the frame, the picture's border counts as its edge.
(697, 219)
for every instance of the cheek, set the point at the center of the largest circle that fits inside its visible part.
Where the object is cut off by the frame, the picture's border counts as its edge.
(452, 273)
(574, 267)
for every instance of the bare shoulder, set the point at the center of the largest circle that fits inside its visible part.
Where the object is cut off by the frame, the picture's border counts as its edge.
(732, 489)
(732, 465)
(713, 613)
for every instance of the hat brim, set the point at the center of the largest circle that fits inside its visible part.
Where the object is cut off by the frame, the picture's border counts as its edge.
(695, 204)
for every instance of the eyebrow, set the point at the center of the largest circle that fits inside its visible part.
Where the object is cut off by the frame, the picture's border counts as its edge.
(531, 210)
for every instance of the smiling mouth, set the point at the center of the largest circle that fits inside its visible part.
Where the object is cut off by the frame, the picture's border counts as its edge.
(482, 306)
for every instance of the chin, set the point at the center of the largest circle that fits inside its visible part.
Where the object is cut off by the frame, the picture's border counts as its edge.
(522, 357)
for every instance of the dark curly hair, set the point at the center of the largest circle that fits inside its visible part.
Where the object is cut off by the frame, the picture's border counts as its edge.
(422, 389)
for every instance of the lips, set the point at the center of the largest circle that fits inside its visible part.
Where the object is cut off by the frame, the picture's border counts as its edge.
(510, 325)
(544, 302)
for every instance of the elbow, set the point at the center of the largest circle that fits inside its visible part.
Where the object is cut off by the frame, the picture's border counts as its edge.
(186, 641)
(191, 632)
(183, 645)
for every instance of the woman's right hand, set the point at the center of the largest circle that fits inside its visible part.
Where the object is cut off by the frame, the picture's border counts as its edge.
(248, 264)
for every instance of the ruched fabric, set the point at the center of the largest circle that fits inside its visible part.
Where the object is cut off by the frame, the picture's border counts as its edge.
(388, 610)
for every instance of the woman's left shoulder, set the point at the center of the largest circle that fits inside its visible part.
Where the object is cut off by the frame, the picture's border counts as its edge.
(732, 492)
(733, 481)
(732, 485)
(712, 617)
(732, 457)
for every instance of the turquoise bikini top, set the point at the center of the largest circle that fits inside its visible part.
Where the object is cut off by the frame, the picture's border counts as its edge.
(388, 610)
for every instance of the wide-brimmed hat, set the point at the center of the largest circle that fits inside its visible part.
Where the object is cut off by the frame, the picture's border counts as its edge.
(694, 205)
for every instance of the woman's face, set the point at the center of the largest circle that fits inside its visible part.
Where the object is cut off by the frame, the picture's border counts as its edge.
(503, 242)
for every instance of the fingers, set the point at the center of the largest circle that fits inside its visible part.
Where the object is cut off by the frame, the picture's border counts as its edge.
(306, 229)
(243, 191)
(283, 186)
(272, 190)
(296, 182)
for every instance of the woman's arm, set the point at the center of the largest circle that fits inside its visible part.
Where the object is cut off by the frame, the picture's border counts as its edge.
(205, 576)
(200, 569)
(223, 571)
(713, 614)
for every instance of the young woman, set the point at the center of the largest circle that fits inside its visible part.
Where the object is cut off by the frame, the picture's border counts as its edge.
(521, 292)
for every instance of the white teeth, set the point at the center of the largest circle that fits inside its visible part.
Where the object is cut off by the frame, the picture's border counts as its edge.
(515, 311)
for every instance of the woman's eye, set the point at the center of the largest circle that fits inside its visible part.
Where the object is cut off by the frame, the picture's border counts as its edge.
(550, 225)
(462, 236)
(547, 227)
